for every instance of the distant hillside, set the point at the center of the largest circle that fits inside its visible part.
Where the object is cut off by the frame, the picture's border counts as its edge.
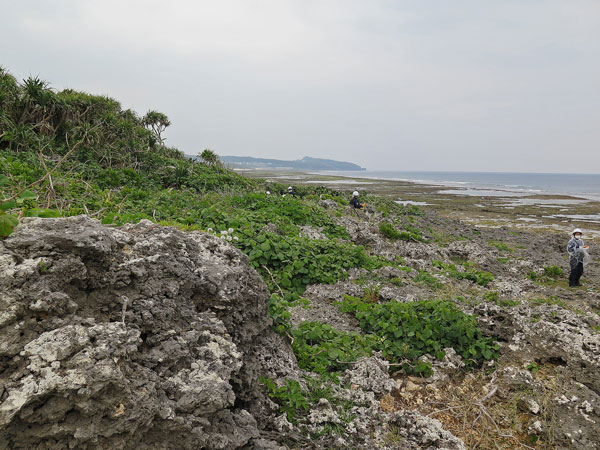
(305, 163)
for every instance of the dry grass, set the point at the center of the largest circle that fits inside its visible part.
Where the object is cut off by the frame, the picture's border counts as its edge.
(470, 407)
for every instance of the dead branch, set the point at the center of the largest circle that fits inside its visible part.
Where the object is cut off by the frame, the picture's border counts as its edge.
(274, 282)
(60, 161)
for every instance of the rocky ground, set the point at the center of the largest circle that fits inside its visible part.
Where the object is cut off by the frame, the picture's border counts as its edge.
(544, 390)
(147, 337)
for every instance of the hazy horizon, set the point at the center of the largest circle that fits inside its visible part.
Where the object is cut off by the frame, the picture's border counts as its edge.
(466, 86)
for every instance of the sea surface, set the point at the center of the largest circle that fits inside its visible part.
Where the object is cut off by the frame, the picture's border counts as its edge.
(496, 183)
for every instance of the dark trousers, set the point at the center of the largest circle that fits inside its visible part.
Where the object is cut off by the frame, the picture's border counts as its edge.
(576, 272)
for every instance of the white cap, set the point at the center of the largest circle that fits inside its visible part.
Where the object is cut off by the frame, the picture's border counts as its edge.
(289, 188)
(577, 230)
(355, 194)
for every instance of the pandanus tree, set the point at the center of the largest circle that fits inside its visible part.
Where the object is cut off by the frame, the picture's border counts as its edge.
(157, 122)
(210, 158)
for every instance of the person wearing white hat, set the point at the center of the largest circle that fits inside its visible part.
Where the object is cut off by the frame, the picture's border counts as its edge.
(576, 249)
(354, 202)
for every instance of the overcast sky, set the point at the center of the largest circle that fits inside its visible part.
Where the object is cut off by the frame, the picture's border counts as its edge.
(482, 85)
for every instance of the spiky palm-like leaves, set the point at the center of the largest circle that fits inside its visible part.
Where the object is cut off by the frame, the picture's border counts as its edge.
(210, 158)
(157, 122)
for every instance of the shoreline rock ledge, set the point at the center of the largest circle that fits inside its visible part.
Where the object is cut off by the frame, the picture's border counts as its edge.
(132, 337)
(147, 337)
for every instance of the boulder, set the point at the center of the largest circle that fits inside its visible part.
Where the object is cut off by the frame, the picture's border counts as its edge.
(134, 337)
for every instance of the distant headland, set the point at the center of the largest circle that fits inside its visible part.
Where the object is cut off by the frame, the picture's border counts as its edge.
(306, 163)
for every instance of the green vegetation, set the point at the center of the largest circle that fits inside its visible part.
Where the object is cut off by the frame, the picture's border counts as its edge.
(295, 401)
(494, 297)
(552, 276)
(551, 300)
(292, 263)
(407, 331)
(533, 367)
(429, 280)
(532, 275)
(553, 271)
(409, 234)
(491, 296)
(290, 397)
(469, 273)
(388, 230)
(322, 349)
(388, 207)
(501, 246)
(69, 153)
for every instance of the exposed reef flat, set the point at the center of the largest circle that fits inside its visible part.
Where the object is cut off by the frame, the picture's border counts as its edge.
(483, 208)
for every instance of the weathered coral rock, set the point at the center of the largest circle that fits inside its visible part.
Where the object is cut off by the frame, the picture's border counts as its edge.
(360, 231)
(271, 228)
(138, 337)
(371, 374)
(329, 204)
(145, 337)
(472, 251)
(311, 232)
(552, 335)
(422, 432)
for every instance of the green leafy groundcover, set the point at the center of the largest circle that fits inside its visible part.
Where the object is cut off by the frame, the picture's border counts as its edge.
(250, 212)
(470, 273)
(290, 397)
(293, 262)
(296, 401)
(407, 331)
(322, 349)
(410, 234)
(401, 331)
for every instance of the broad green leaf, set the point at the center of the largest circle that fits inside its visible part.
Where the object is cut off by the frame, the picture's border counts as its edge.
(7, 223)
(27, 195)
(7, 205)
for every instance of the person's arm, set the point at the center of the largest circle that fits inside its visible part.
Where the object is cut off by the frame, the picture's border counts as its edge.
(571, 247)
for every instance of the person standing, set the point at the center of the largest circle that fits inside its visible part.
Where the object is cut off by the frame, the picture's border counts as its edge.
(576, 249)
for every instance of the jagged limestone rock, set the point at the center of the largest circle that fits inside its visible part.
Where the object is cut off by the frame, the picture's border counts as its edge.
(146, 337)
(138, 337)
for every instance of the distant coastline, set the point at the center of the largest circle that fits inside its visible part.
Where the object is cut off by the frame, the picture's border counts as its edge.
(585, 186)
(305, 164)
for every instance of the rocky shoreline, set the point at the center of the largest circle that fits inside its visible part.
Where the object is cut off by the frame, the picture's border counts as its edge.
(549, 333)
(145, 336)
(539, 212)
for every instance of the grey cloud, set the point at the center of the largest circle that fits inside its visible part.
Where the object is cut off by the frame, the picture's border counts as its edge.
(467, 85)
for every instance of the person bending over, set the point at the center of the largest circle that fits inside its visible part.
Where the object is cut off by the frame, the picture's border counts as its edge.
(354, 202)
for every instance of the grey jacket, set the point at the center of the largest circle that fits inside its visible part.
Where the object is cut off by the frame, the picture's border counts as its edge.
(573, 248)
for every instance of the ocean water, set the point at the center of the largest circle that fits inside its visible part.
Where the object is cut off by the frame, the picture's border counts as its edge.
(497, 183)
